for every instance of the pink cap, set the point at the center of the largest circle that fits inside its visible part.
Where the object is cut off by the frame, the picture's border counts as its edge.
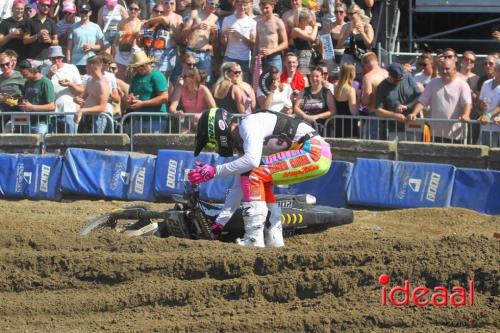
(69, 7)
(111, 2)
(49, 2)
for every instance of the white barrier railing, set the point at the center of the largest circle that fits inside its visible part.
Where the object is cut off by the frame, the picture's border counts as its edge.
(54, 122)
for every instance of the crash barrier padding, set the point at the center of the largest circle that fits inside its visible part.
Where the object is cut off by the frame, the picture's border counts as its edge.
(107, 174)
(171, 174)
(30, 176)
(391, 184)
(132, 176)
(329, 189)
(141, 168)
(477, 189)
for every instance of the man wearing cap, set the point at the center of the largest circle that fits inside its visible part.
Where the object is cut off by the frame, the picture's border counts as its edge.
(64, 25)
(148, 93)
(11, 31)
(67, 84)
(394, 99)
(85, 40)
(40, 32)
(38, 96)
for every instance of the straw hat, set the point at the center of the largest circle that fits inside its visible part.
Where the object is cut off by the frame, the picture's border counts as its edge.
(140, 58)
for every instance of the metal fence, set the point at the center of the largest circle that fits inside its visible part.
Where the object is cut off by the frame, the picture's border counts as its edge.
(339, 126)
(156, 122)
(420, 130)
(52, 122)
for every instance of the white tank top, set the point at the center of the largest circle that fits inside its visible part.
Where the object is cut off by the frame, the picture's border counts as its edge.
(116, 17)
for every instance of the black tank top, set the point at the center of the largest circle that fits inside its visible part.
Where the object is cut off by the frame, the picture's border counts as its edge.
(301, 44)
(313, 104)
(343, 108)
(227, 102)
(345, 127)
(355, 42)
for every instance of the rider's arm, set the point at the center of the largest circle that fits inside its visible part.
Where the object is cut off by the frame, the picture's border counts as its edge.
(251, 132)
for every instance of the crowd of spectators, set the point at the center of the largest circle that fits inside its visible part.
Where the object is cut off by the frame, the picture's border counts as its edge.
(102, 59)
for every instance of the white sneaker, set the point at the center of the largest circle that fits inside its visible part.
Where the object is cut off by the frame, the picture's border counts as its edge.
(273, 236)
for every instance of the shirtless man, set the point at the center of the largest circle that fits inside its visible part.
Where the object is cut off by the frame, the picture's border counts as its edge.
(290, 15)
(374, 74)
(271, 36)
(169, 27)
(94, 100)
(200, 33)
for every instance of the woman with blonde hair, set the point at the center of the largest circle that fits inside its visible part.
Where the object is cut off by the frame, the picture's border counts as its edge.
(249, 100)
(227, 92)
(345, 103)
(356, 36)
(302, 37)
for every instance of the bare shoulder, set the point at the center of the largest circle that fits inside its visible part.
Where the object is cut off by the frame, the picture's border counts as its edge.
(204, 89)
(176, 18)
(213, 18)
(103, 85)
(246, 86)
(278, 23)
(287, 15)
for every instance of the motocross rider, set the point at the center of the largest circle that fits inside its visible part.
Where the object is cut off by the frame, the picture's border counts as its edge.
(273, 149)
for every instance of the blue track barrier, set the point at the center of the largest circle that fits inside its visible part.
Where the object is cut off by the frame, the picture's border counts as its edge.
(329, 189)
(110, 175)
(30, 176)
(95, 173)
(132, 176)
(389, 184)
(172, 169)
(477, 189)
(141, 169)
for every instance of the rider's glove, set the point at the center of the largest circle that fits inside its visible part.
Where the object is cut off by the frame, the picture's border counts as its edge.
(203, 173)
(216, 230)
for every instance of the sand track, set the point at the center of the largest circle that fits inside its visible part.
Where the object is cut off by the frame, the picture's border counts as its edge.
(53, 280)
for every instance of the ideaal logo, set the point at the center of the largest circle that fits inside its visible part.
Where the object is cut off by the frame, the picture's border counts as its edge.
(423, 296)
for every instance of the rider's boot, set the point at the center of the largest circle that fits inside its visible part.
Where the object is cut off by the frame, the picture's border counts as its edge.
(273, 235)
(254, 218)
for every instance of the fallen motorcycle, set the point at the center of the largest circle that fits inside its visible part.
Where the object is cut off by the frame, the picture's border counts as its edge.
(191, 218)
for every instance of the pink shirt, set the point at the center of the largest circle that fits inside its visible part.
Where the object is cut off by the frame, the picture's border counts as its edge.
(446, 101)
(193, 105)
